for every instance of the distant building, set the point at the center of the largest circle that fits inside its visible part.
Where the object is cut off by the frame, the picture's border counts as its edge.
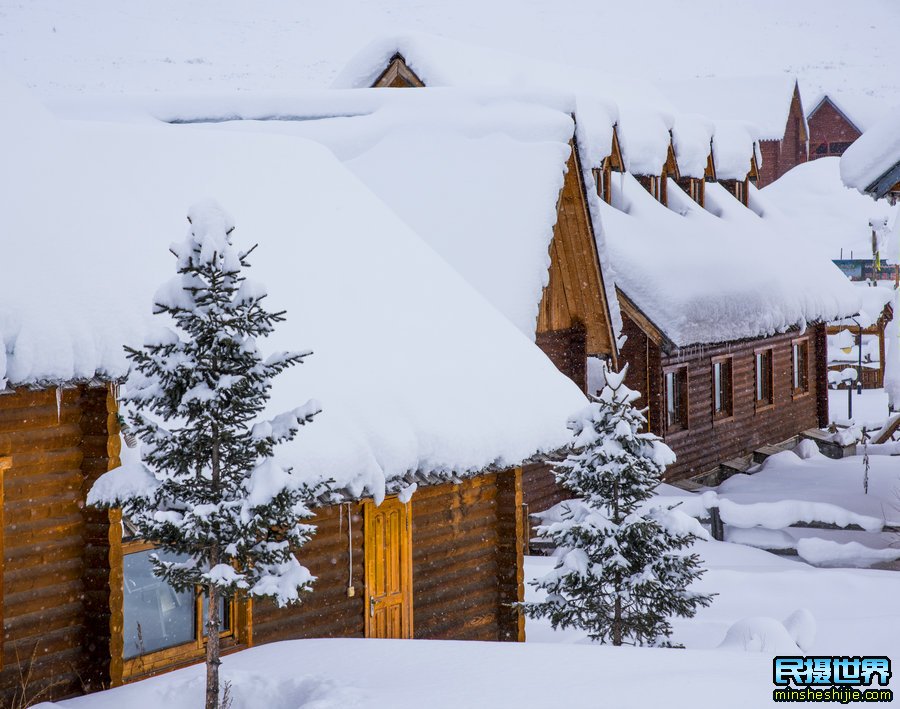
(831, 131)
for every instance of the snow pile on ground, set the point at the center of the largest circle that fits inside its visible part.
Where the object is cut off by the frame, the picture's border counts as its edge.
(836, 483)
(829, 218)
(825, 552)
(760, 634)
(415, 371)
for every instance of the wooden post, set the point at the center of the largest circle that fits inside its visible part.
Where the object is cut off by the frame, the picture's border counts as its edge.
(510, 561)
(716, 528)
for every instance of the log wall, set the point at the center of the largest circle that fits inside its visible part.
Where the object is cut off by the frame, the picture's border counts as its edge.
(467, 546)
(705, 443)
(47, 609)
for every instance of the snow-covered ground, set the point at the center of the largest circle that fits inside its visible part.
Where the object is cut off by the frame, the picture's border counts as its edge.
(870, 408)
(562, 668)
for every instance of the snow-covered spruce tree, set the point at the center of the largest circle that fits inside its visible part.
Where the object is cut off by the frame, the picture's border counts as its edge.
(619, 575)
(208, 488)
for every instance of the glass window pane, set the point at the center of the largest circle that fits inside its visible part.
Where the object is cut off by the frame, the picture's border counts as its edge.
(717, 385)
(224, 620)
(670, 397)
(155, 617)
(759, 376)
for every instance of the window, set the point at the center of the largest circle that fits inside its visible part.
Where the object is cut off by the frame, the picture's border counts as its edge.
(839, 148)
(722, 390)
(156, 618)
(800, 366)
(676, 398)
(765, 394)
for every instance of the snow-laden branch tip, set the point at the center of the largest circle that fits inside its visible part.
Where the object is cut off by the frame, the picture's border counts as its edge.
(285, 425)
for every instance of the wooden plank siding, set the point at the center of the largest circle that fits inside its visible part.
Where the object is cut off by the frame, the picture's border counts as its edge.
(48, 611)
(705, 443)
(466, 564)
(575, 295)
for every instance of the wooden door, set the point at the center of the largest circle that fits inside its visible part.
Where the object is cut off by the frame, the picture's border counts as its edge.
(388, 549)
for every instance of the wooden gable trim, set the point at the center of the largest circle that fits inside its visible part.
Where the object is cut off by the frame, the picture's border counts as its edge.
(670, 167)
(576, 291)
(710, 173)
(753, 175)
(614, 160)
(397, 74)
(645, 324)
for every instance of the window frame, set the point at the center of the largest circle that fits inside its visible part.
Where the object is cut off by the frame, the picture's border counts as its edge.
(763, 404)
(803, 388)
(727, 414)
(677, 370)
(170, 657)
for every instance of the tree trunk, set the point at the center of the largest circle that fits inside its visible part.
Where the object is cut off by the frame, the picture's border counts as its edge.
(212, 609)
(212, 648)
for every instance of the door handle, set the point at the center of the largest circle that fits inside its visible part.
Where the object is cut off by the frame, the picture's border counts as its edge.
(371, 606)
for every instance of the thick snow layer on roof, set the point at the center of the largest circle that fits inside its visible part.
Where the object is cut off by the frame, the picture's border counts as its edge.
(831, 219)
(603, 98)
(644, 138)
(476, 172)
(691, 137)
(414, 369)
(704, 278)
(733, 148)
(764, 101)
(873, 154)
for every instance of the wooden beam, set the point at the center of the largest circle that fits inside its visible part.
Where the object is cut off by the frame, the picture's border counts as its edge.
(646, 325)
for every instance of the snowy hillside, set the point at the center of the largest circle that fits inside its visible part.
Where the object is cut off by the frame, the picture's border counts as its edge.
(209, 45)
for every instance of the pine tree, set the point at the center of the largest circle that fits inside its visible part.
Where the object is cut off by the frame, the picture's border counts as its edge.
(620, 576)
(215, 494)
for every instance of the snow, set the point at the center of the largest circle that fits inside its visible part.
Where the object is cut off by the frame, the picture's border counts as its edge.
(822, 481)
(833, 220)
(733, 147)
(691, 137)
(680, 270)
(823, 552)
(763, 101)
(442, 159)
(446, 395)
(872, 154)
(760, 634)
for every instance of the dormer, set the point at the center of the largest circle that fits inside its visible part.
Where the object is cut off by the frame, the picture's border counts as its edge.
(611, 163)
(398, 75)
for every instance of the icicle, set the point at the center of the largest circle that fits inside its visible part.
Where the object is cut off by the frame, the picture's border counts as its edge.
(58, 403)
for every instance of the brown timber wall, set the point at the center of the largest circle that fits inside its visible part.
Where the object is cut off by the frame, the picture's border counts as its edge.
(704, 444)
(327, 612)
(464, 567)
(46, 602)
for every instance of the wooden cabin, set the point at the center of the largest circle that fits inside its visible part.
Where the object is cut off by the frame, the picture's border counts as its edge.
(412, 389)
(715, 402)
(831, 131)
(72, 579)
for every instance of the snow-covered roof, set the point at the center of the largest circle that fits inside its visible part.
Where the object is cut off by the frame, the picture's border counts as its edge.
(415, 371)
(691, 138)
(764, 101)
(603, 99)
(872, 163)
(734, 146)
(831, 220)
(717, 274)
(476, 172)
